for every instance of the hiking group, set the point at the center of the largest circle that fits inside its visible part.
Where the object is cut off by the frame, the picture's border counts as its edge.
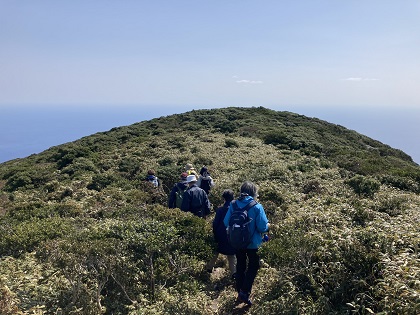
(238, 225)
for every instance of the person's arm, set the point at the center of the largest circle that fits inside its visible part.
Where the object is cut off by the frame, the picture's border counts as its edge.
(218, 219)
(207, 205)
(261, 220)
(172, 198)
(227, 216)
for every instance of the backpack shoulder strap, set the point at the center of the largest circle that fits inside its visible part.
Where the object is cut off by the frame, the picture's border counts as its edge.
(246, 208)
(250, 205)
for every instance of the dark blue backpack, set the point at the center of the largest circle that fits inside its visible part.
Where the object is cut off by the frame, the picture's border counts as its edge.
(205, 183)
(239, 235)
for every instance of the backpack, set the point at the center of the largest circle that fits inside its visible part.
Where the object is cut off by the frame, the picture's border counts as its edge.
(153, 180)
(205, 183)
(239, 235)
(179, 194)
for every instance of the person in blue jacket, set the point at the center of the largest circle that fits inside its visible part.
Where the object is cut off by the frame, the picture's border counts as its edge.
(220, 236)
(247, 260)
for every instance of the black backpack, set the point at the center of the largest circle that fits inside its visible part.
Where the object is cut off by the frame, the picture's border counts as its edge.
(239, 235)
(205, 183)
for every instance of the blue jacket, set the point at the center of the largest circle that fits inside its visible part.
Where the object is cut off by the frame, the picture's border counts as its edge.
(219, 231)
(195, 200)
(259, 223)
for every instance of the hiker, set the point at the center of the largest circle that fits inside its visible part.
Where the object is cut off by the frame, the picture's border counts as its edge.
(205, 181)
(152, 178)
(177, 192)
(190, 170)
(195, 199)
(247, 260)
(220, 236)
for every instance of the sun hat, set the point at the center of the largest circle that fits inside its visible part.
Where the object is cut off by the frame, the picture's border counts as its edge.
(191, 178)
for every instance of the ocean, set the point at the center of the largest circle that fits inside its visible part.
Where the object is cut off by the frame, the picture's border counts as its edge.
(26, 130)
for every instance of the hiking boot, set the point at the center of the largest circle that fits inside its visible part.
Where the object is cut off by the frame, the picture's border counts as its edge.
(244, 297)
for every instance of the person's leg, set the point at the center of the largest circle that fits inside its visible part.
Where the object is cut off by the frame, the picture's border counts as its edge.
(240, 268)
(232, 264)
(210, 264)
(252, 270)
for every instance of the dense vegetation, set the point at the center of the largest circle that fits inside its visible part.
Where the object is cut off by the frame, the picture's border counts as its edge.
(82, 233)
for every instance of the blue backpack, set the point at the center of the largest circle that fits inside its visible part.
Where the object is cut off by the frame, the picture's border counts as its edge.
(239, 235)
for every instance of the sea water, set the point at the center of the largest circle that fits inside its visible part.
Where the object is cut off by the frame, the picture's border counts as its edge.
(26, 130)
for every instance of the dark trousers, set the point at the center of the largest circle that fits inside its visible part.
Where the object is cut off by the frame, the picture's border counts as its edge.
(247, 265)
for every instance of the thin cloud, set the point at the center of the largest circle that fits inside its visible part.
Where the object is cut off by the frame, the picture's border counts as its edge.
(360, 79)
(249, 82)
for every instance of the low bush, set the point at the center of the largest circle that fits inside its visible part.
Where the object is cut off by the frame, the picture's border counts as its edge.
(25, 236)
(403, 183)
(311, 188)
(363, 186)
(392, 205)
(100, 181)
(231, 143)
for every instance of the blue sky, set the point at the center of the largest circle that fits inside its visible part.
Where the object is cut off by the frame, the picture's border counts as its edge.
(314, 57)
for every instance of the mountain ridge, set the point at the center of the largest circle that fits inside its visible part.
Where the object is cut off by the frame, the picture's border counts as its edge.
(90, 235)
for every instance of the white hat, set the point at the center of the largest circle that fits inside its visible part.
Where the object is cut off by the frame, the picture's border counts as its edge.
(191, 178)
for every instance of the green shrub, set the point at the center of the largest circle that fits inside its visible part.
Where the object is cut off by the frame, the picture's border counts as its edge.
(129, 166)
(79, 166)
(169, 175)
(231, 143)
(271, 194)
(202, 160)
(31, 210)
(166, 161)
(311, 188)
(403, 183)
(289, 248)
(26, 236)
(19, 180)
(363, 186)
(100, 181)
(276, 138)
(177, 143)
(392, 205)
(66, 154)
(359, 214)
(226, 126)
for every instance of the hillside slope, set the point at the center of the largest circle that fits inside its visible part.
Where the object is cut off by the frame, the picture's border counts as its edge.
(81, 232)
